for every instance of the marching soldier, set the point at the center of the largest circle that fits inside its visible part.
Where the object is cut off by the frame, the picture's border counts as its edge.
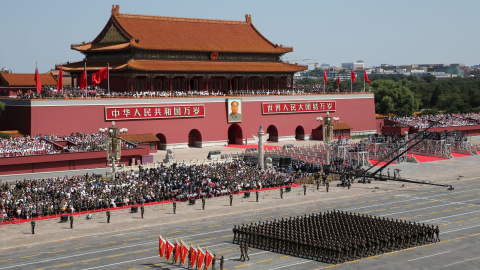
(174, 206)
(214, 260)
(318, 184)
(246, 248)
(242, 252)
(304, 189)
(231, 199)
(142, 209)
(71, 221)
(281, 193)
(108, 215)
(256, 194)
(327, 185)
(203, 203)
(33, 225)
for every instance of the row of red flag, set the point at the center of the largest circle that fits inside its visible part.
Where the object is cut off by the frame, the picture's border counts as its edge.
(197, 256)
(97, 77)
(352, 74)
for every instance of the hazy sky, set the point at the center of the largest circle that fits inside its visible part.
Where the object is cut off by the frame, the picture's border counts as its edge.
(333, 31)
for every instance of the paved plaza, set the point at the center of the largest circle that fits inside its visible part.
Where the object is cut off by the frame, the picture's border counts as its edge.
(129, 242)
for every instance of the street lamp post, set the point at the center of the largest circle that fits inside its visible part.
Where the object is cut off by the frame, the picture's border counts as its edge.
(113, 145)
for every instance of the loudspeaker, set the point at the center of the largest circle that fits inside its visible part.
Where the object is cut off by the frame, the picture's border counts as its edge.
(191, 201)
(288, 189)
(63, 218)
(281, 163)
(247, 194)
(134, 209)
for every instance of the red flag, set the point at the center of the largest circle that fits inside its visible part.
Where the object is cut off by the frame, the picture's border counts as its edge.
(183, 253)
(338, 81)
(168, 251)
(325, 76)
(177, 251)
(208, 258)
(83, 79)
(161, 246)
(200, 257)
(365, 76)
(193, 256)
(60, 79)
(353, 75)
(98, 76)
(38, 83)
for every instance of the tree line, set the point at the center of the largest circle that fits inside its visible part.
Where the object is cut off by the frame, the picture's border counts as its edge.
(403, 95)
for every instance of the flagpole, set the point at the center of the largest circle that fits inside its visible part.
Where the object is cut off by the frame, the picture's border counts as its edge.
(86, 79)
(324, 79)
(351, 85)
(36, 71)
(364, 83)
(108, 77)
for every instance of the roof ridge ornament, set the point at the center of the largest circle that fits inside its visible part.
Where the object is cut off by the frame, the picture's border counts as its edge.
(115, 10)
(248, 18)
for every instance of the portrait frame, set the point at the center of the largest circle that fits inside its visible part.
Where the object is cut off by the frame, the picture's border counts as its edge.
(231, 117)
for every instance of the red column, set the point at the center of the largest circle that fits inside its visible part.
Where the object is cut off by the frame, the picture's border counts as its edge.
(170, 80)
(188, 80)
(263, 86)
(246, 83)
(230, 82)
(292, 82)
(206, 82)
(151, 84)
(278, 83)
(131, 84)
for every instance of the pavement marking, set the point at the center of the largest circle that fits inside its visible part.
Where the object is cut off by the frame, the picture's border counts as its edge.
(233, 222)
(153, 235)
(118, 255)
(447, 210)
(251, 219)
(373, 201)
(461, 261)
(346, 204)
(474, 234)
(391, 252)
(428, 256)
(30, 256)
(213, 226)
(394, 207)
(380, 210)
(62, 265)
(5, 260)
(282, 215)
(408, 205)
(316, 209)
(208, 239)
(242, 265)
(286, 256)
(268, 217)
(359, 202)
(83, 247)
(404, 217)
(265, 261)
(418, 215)
(433, 213)
(444, 241)
(131, 239)
(174, 232)
(140, 251)
(445, 224)
(460, 237)
(194, 229)
(353, 261)
(230, 235)
(58, 251)
(124, 262)
(366, 212)
(91, 260)
(460, 221)
(386, 199)
(373, 257)
(333, 265)
(156, 264)
(410, 248)
(473, 218)
(300, 212)
(108, 243)
(226, 251)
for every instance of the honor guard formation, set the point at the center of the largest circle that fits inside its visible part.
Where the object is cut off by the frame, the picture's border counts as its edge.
(334, 237)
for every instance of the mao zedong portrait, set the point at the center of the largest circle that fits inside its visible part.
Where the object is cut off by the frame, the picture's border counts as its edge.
(234, 115)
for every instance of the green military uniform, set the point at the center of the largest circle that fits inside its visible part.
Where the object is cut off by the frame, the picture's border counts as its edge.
(281, 193)
(304, 189)
(33, 225)
(327, 184)
(231, 199)
(174, 207)
(71, 221)
(203, 203)
(142, 209)
(318, 184)
(108, 215)
(256, 194)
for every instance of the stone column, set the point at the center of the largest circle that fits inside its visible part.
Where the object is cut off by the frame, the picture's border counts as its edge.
(260, 147)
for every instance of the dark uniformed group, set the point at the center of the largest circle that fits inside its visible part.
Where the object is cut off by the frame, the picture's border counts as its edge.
(334, 237)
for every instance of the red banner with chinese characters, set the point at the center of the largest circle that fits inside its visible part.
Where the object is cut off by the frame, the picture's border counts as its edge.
(154, 112)
(298, 107)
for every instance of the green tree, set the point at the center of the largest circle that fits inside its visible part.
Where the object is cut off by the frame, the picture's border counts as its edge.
(394, 97)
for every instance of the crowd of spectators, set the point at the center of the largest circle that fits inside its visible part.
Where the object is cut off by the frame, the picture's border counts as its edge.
(23, 199)
(445, 120)
(44, 144)
(25, 146)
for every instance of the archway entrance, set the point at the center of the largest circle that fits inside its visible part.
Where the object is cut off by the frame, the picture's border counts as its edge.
(273, 133)
(300, 133)
(162, 144)
(235, 135)
(194, 138)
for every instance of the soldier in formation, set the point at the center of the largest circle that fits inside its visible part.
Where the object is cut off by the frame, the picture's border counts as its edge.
(174, 206)
(108, 215)
(142, 209)
(256, 194)
(231, 199)
(333, 237)
(33, 225)
(71, 221)
(304, 189)
(203, 203)
(281, 193)
(222, 261)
